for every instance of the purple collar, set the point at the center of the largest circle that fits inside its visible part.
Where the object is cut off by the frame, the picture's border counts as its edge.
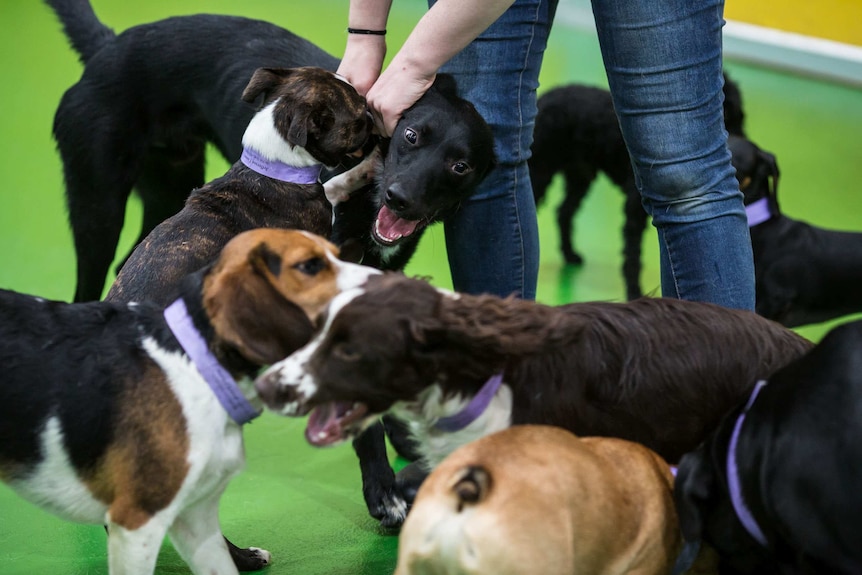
(474, 409)
(733, 483)
(279, 170)
(220, 381)
(758, 212)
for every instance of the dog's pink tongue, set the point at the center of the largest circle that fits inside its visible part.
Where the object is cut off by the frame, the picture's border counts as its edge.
(323, 427)
(391, 228)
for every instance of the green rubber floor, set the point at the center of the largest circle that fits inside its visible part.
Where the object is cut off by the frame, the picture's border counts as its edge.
(305, 505)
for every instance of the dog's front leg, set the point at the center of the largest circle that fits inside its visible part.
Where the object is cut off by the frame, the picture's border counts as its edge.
(135, 551)
(339, 188)
(197, 537)
(381, 493)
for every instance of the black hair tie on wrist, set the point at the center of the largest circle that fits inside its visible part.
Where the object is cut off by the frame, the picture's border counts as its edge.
(364, 31)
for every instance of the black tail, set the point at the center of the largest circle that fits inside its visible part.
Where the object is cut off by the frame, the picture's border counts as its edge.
(84, 30)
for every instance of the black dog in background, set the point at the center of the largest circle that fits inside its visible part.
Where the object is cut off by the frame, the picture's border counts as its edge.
(804, 274)
(577, 134)
(148, 102)
(795, 504)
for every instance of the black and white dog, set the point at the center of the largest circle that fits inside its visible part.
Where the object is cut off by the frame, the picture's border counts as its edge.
(776, 488)
(131, 414)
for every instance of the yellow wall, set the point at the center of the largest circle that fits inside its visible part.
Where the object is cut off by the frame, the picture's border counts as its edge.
(839, 20)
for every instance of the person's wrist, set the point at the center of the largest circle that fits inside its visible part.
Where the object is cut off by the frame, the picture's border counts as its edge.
(359, 31)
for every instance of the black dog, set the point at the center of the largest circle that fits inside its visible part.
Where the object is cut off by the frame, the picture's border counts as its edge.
(190, 88)
(440, 152)
(577, 134)
(658, 371)
(776, 488)
(148, 102)
(805, 274)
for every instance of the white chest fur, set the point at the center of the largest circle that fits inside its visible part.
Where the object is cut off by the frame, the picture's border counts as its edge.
(435, 445)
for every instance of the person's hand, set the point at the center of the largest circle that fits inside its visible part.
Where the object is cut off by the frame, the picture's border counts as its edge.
(397, 88)
(363, 60)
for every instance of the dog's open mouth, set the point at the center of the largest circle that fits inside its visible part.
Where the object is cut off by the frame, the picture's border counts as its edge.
(389, 229)
(333, 422)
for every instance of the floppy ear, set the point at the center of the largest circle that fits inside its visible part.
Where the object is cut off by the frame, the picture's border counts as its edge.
(769, 162)
(694, 487)
(301, 123)
(255, 317)
(263, 81)
(446, 85)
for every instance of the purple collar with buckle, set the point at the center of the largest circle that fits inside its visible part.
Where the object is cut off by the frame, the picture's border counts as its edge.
(474, 409)
(279, 170)
(220, 381)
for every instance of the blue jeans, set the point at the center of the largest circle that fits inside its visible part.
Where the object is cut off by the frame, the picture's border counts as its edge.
(493, 240)
(663, 61)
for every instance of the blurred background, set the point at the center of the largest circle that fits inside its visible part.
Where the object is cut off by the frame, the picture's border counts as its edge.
(798, 65)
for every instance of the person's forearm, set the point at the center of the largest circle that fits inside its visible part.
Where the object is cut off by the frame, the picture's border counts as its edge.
(445, 30)
(368, 14)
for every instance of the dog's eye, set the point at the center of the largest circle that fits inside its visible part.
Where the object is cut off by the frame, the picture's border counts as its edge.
(345, 352)
(311, 267)
(461, 168)
(410, 135)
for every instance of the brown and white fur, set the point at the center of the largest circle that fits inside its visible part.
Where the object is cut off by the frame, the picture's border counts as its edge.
(104, 418)
(657, 371)
(599, 505)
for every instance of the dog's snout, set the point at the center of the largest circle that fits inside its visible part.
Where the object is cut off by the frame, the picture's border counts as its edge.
(396, 198)
(277, 396)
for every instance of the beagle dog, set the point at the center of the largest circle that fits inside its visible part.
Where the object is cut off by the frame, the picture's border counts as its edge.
(538, 499)
(131, 415)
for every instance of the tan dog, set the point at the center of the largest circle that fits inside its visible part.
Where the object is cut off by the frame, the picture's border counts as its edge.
(537, 499)
(131, 415)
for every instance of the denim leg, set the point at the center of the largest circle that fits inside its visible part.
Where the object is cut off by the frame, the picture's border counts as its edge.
(493, 240)
(663, 61)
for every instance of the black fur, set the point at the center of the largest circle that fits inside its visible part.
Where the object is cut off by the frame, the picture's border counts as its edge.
(577, 134)
(805, 274)
(79, 385)
(422, 181)
(799, 462)
(148, 102)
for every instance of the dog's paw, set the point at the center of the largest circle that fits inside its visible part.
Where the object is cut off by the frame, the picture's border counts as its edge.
(408, 481)
(573, 258)
(249, 559)
(387, 505)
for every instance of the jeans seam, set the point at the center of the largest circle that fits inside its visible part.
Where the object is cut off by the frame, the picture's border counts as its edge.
(526, 61)
(671, 270)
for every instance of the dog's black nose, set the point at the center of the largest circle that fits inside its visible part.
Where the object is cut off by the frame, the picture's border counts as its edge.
(396, 199)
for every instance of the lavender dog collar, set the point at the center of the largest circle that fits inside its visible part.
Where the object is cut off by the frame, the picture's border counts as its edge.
(217, 377)
(474, 409)
(758, 212)
(733, 484)
(279, 170)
